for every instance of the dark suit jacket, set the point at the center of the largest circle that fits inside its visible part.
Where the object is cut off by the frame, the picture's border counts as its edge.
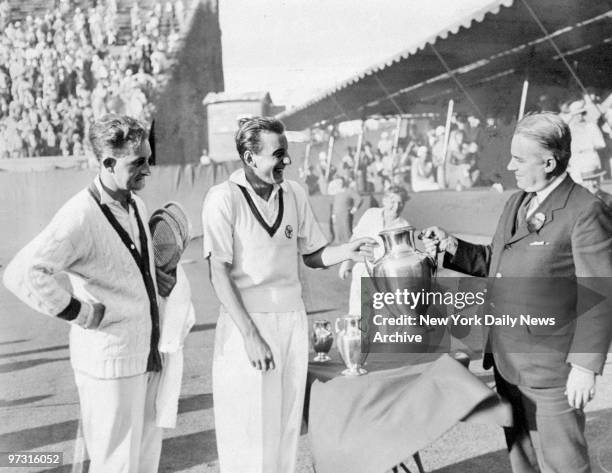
(574, 240)
(605, 197)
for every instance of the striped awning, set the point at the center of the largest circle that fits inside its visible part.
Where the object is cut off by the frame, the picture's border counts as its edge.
(503, 40)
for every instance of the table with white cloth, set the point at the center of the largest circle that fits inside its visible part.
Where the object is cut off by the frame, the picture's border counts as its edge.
(370, 423)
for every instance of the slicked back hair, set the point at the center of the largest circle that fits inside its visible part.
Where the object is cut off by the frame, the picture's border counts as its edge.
(110, 134)
(248, 136)
(548, 129)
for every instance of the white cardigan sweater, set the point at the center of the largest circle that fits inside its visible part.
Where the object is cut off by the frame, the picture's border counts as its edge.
(80, 242)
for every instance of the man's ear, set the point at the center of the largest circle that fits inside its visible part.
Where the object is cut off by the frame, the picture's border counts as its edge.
(109, 163)
(248, 159)
(550, 164)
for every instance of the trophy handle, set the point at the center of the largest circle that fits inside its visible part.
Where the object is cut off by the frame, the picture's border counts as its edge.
(362, 325)
(370, 265)
(337, 325)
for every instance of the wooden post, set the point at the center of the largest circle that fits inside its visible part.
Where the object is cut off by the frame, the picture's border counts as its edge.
(398, 129)
(358, 148)
(307, 151)
(330, 150)
(523, 99)
(447, 128)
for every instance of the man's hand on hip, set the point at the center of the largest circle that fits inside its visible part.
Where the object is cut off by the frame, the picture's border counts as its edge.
(258, 351)
(580, 387)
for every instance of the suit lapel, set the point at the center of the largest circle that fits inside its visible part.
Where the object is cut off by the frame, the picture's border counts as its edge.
(511, 219)
(555, 201)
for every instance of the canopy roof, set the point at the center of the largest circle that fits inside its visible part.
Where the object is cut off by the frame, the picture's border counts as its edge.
(475, 59)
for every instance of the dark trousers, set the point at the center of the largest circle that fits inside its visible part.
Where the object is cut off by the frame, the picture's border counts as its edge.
(548, 434)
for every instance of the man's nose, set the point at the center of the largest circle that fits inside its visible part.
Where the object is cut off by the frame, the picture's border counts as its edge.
(511, 166)
(146, 169)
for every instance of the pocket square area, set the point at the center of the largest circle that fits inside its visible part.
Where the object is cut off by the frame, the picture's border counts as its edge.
(539, 243)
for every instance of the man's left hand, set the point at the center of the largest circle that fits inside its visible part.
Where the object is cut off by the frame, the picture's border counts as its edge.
(361, 248)
(580, 388)
(165, 282)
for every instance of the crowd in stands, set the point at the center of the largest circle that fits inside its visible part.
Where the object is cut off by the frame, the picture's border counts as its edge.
(67, 66)
(476, 153)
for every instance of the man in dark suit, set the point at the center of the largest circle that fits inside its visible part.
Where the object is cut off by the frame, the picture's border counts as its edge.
(552, 229)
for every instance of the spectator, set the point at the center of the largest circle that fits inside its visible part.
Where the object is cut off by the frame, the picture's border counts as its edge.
(587, 140)
(205, 159)
(58, 71)
(422, 175)
(346, 202)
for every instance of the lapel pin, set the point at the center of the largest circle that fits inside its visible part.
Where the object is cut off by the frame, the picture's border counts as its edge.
(536, 222)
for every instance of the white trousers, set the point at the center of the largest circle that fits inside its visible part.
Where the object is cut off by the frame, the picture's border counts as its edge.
(118, 417)
(258, 415)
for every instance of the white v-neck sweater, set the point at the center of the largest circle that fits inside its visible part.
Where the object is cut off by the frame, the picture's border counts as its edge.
(80, 243)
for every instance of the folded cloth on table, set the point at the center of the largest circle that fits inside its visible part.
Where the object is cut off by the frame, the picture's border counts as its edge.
(177, 317)
(370, 423)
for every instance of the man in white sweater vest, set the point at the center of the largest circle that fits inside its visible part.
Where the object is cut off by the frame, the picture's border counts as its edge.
(255, 227)
(100, 240)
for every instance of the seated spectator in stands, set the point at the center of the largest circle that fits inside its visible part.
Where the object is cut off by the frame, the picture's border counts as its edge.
(591, 180)
(461, 171)
(587, 140)
(414, 139)
(376, 173)
(592, 104)
(401, 170)
(51, 64)
(77, 147)
(348, 160)
(312, 181)
(336, 184)
(385, 144)
(346, 202)
(422, 177)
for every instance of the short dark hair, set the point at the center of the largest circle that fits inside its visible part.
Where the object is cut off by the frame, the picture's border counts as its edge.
(399, 190)
(248, 136)
(548, 129)
(113, 132)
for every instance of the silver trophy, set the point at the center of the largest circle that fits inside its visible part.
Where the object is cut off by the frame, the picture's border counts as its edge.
(348, 341)
(322, 339)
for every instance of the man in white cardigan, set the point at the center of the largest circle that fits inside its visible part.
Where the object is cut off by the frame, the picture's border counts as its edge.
(100, 240)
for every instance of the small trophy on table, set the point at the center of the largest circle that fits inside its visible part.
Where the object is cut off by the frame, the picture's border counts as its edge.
(322, 339)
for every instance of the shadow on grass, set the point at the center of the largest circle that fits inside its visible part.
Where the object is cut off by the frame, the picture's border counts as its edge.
(22, 401)
(186, 451)
(10, 342)
(30, 439)
(178, 453)
(22, 365)
(198, 402)
(32, 352)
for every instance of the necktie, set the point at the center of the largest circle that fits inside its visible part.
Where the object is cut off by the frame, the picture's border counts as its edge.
(521, 215)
